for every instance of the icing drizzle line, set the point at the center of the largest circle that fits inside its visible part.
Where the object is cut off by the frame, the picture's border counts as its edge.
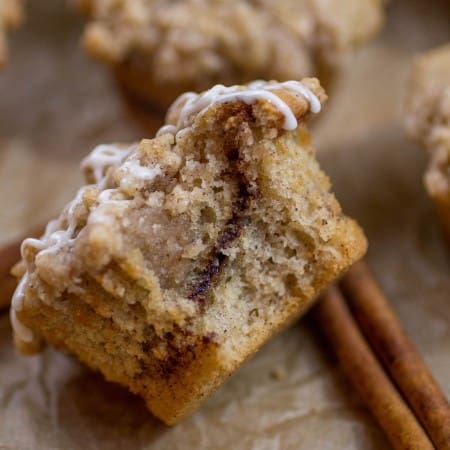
(197, 104)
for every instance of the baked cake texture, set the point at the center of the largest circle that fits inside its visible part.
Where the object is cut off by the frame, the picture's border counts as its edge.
(186, 252)
(428, 121)
(161, 48)
(10, 17)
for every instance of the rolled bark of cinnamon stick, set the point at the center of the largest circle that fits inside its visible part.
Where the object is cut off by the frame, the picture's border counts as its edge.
(366, 373)
(385, 334)
(9, 256)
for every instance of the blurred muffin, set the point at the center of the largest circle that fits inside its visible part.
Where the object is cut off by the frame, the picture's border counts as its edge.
(428, 121)
(160, 48)
(10, 17)
(190, 250)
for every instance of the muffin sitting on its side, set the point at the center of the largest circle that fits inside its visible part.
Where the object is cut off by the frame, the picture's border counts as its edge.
(190, 250)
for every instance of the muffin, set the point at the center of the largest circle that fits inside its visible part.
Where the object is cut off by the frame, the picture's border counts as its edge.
(185, 253)
(10, 17)
(161, 48)
(428, 121)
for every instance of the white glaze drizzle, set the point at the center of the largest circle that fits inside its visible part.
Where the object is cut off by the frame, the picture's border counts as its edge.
(134, 173)
(102, 157)
(171, 129)
(198, 104)
(300, 88)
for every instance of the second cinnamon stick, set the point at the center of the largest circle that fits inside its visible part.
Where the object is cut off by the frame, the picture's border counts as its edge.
(385, 333)
(362, 367)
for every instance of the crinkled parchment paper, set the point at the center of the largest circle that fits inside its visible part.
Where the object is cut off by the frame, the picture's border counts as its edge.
(55, 105)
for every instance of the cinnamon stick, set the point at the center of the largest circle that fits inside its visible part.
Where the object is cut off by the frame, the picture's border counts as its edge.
(360, 364)
(10, 255)
(385, 333)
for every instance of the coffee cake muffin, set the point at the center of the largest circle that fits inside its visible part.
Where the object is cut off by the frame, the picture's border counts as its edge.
(10, 17)
(428, 121)
(186, 252)
(161, 48)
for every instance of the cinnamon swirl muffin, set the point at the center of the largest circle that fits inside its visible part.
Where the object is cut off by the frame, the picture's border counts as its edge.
(186, 252)
(160, 48)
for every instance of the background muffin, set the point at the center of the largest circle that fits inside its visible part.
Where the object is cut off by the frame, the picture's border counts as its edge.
(160, 48)
(428, 121)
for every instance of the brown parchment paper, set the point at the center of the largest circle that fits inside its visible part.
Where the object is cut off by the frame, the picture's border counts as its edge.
(55, 105)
